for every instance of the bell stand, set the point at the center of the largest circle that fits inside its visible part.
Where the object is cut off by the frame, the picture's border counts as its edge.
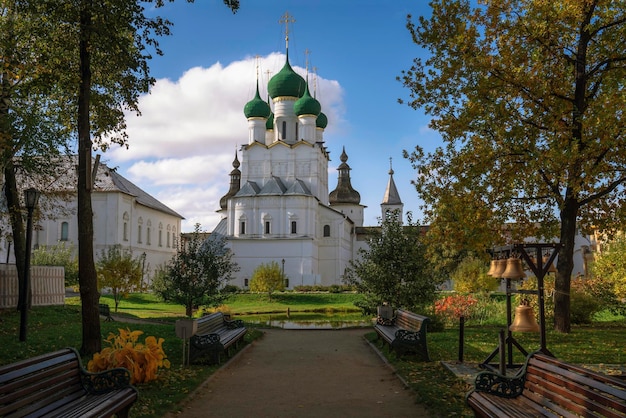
(540, 271)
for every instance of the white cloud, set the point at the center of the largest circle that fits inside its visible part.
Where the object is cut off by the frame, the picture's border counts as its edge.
(182, 146)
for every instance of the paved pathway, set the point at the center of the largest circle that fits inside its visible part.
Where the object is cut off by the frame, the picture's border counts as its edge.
(291, 373)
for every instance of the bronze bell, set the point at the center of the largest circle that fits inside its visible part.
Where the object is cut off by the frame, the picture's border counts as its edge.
(514, 269)
(551, 269)
(492, 267)
(524, 319)
(499, 267)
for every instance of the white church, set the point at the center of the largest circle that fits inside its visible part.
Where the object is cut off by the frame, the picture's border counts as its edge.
(278, 207)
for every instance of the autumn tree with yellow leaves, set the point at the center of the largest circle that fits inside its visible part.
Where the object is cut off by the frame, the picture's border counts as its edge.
(529, 99)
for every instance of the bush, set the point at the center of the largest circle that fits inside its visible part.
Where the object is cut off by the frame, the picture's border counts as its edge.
(583, 305)
(471, 276)
(142, 360)
(231, 288)
(58, 255)
(268, 278)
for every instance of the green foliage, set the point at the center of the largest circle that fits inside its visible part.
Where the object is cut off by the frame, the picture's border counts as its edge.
(335, 288)
(267, 278)
(58, 255)
(119, 270)
(518, 107)
(394, 268)
(471, 276)
(197, 273)
(608, 276)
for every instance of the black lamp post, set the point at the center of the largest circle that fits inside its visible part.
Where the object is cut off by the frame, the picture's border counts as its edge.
(31, 196)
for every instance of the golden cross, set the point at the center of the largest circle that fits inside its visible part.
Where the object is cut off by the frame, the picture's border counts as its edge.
(287, 19)
(307, 52)
(315, 81)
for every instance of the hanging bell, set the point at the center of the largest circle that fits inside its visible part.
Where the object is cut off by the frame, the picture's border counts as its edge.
(499, 268)
(551, 269)
(492, 268)
(524, 319)
(514, 269)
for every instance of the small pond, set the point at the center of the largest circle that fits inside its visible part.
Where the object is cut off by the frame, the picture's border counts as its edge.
(314, 321)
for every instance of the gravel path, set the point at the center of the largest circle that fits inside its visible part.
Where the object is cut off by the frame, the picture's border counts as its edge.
(291, 373)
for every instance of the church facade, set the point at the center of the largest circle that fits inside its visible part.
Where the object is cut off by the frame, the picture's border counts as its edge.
(278, 207)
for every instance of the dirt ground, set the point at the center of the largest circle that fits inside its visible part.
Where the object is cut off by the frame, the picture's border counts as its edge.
(304, 373)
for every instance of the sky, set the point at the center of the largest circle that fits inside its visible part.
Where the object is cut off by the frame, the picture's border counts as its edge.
(182, 146)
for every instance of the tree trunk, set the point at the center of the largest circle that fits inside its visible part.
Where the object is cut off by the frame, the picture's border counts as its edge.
(565, 265)
(17, 221)
(89, 294)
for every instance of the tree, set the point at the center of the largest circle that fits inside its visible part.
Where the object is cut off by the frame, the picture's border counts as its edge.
(267, 278)
(394, 268)
(528, 97)
(31, 132)
(105, 46)
(118, 270)
(197, 273)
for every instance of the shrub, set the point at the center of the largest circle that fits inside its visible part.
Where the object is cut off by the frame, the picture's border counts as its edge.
(490, 309)
(58, 255)
(455, 306)
(267, 278)
(583, 304)
(142, 360)
(471, 276)
(231, 288)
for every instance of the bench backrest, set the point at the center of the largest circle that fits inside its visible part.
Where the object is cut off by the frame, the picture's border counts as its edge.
(36, 383)
(210, 323)
(573, 388)
(410, 321)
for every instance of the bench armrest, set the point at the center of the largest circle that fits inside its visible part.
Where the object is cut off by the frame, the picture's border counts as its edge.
(496, 384)
(235, 323)
(105, 381)
(205, 341)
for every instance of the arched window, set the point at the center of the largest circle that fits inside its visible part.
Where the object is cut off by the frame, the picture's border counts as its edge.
(327, 230)
(296, 131)
(284, 130)
(160, 235)
(65, 231)
(125, 226)
(149, 232)
(294, 227)
(139, 229)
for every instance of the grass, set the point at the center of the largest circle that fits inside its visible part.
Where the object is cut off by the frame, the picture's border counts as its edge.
(54, 327)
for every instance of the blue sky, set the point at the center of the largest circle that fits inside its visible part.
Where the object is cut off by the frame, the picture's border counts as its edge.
(182, 147)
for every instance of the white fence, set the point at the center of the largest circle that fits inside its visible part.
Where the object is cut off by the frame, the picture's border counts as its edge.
(47, 284)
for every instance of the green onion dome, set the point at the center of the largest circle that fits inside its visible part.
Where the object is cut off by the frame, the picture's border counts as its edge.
(269, 125)
(307, 105)
(322, 121)
(257, 108)
(287, 83)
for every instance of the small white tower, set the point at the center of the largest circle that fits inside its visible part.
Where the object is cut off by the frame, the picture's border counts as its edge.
(391, 200)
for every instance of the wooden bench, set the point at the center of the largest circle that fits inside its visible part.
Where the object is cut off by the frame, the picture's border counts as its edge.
(404, 332)
(105, 310)
(215, 335)
(56, 385)
(548, 387)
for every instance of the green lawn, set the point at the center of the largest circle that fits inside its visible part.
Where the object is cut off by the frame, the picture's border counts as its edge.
(148, 306)
(51, 328)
